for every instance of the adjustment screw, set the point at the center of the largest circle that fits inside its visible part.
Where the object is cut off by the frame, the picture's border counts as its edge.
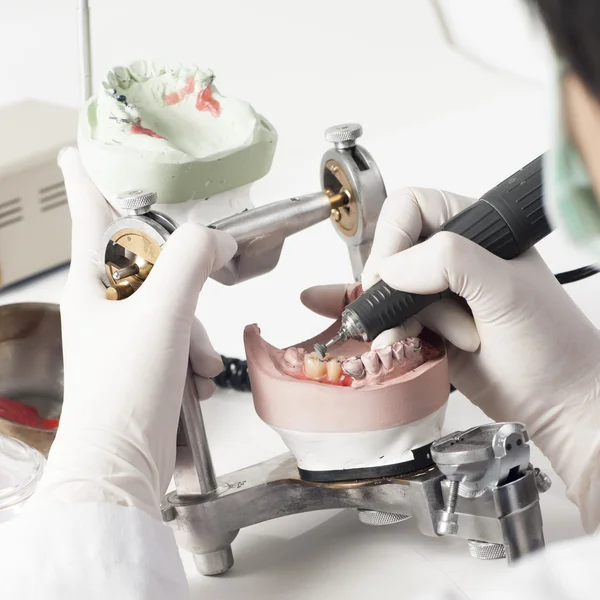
(168, 513)
(542, 482)
(378, 519)
(448, 519)
(136, 202)
(486, 550)
(343, 136)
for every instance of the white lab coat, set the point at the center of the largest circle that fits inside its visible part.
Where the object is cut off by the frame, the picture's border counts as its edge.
(104, 551)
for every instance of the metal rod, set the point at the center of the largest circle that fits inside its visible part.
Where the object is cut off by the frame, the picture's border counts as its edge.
(85, 49)
(204, 480)
(358, 258)
(119, 274)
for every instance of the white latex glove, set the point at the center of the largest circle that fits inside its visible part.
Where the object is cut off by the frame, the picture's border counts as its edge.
(527, 353)
(125, 362)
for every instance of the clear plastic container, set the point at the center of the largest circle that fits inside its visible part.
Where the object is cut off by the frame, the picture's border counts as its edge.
(20, 470)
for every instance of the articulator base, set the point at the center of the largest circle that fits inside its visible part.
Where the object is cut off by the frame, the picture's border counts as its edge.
(481, 488)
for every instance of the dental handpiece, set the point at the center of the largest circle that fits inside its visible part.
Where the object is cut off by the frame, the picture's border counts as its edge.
(506, 221)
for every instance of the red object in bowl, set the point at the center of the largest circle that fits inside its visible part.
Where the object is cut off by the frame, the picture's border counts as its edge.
(23, 414)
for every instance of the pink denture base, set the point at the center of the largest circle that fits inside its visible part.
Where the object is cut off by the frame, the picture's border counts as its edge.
(309, 406)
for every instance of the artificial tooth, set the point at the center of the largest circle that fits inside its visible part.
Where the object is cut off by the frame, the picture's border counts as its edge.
(354, 367)
(314, 366)
(173, 68)
(371, 361)
(412, 347)
(187, 73)
(398, 351)
(139, 71)
(294, 357)
(157, 68)
(123, 77)
(111, 80)
(385, 355)
(334, 370)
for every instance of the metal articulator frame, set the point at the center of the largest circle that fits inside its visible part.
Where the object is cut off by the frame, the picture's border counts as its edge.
(508, 516)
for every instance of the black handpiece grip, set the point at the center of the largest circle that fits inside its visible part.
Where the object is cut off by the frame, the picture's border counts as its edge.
(381, 307)
(506, 221)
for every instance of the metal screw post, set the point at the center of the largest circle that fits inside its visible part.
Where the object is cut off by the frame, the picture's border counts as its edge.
(136, 202)
(119, 274)
(448, 521)
(343, 136)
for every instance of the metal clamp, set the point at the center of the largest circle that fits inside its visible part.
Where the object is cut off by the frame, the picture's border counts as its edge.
(488, 462)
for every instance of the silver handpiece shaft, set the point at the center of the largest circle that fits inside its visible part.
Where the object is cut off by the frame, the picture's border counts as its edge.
(278, 220)
(261, 232)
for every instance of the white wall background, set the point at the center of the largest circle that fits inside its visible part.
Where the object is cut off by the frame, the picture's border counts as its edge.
(460, 117)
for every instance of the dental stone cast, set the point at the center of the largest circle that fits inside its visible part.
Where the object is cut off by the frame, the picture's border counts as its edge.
(166, 127)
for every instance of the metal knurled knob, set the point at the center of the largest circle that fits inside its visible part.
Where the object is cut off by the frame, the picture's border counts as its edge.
(378, 519)
(486, 550)
(135, 200)
(345, 134)
(542, 481)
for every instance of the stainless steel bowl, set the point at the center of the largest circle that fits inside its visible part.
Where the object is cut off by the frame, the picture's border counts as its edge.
(31, 367)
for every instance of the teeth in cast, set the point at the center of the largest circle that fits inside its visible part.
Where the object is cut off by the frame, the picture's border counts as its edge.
(294, 357)
(314, 366)
(334, 370)
(386, 357)
(121, 78)
(354, 367)
(372, 363)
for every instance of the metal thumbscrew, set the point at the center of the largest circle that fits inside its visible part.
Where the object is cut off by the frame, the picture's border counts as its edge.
(343, 136)
(542, 482)
(169, 513)
(136, 202)
(486, 550)
(377, 518)
(448, 521)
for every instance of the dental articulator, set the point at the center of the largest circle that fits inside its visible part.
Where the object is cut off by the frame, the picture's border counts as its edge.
(363, 428)
(477, 485)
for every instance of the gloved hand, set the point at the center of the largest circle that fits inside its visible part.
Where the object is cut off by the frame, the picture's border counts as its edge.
(527, 353)
(125, 362)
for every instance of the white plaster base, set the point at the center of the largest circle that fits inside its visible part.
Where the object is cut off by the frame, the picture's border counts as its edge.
(337, 451)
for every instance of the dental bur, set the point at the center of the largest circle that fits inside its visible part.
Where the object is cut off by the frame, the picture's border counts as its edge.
(506, 221)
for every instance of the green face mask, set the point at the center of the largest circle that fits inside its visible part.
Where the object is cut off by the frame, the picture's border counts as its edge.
(569, 197)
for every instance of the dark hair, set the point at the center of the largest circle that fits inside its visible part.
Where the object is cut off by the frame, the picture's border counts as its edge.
(574, 28)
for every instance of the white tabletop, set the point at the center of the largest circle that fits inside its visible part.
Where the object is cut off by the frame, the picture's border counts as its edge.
(471, 131)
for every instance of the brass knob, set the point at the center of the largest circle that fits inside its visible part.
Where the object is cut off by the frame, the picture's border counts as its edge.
(119, 291)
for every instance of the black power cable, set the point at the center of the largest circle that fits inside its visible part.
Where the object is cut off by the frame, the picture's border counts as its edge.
(235, 373)
(576, 274)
